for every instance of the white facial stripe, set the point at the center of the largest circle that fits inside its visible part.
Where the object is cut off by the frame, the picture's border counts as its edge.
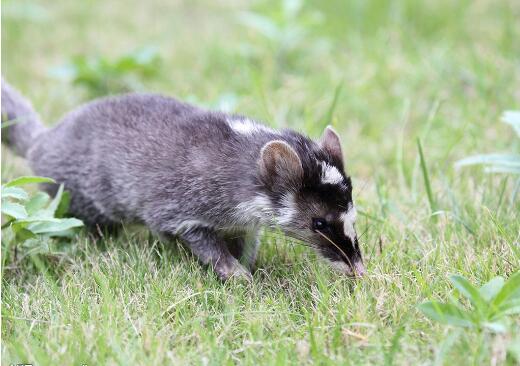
(246, 126)
(349, 218)
(288, 211)
(330, 174)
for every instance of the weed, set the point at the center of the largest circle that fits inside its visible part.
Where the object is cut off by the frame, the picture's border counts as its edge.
(30, 221)
(101, 76)
(498, 163)
(491, 306)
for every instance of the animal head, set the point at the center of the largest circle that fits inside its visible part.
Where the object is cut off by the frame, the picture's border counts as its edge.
(312, 196)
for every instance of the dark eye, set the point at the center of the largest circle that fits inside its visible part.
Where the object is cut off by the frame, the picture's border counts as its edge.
(319, 224)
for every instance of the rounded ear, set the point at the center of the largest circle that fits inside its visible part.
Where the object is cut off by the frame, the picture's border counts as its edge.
(280, 165)
(331, 143)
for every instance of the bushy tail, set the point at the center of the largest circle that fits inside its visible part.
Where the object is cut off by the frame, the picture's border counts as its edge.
(21, 122)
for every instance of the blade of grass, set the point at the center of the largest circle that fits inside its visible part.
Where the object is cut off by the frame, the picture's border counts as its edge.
(404, 177)
(426, 176)
(328, 119)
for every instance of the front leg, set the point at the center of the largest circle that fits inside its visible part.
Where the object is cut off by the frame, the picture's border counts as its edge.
(211, 250)
(244, 247)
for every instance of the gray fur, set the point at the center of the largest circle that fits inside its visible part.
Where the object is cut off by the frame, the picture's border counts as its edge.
(26, 123)
(180, 170)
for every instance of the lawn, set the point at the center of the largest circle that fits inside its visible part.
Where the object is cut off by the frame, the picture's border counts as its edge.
(385, 74)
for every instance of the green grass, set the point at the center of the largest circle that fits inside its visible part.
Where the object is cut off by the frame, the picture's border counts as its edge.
(386, 74)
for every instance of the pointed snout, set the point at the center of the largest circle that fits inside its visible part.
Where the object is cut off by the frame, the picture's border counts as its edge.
(353, 269)
(358, 268)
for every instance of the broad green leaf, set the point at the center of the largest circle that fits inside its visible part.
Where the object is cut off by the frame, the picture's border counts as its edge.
(489, 290)
(510, 307)
(469, 291)
(65, 233)
(446, 314)
(27, 180)
(37, 245)
(37, 203)
(24, 234)
(512, 118)
(63, 206)
(502, 160)
(52, 226)
(14, 192)
(19, 225)
(511, 289)
(55, 201)
(502, 169)
(38, 218)
(495, 327)
(13, 209)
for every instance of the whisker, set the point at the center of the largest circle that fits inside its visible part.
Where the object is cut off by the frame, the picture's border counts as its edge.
(364, 232)
(362, 188)
(297, 242)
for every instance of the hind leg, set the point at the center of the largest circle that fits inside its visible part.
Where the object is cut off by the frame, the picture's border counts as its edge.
(84, 209)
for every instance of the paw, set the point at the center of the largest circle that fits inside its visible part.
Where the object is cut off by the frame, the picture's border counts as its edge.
(241, 274)
(233, 271)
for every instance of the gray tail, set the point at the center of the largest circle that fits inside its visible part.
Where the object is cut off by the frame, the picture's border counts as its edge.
(21, 122)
